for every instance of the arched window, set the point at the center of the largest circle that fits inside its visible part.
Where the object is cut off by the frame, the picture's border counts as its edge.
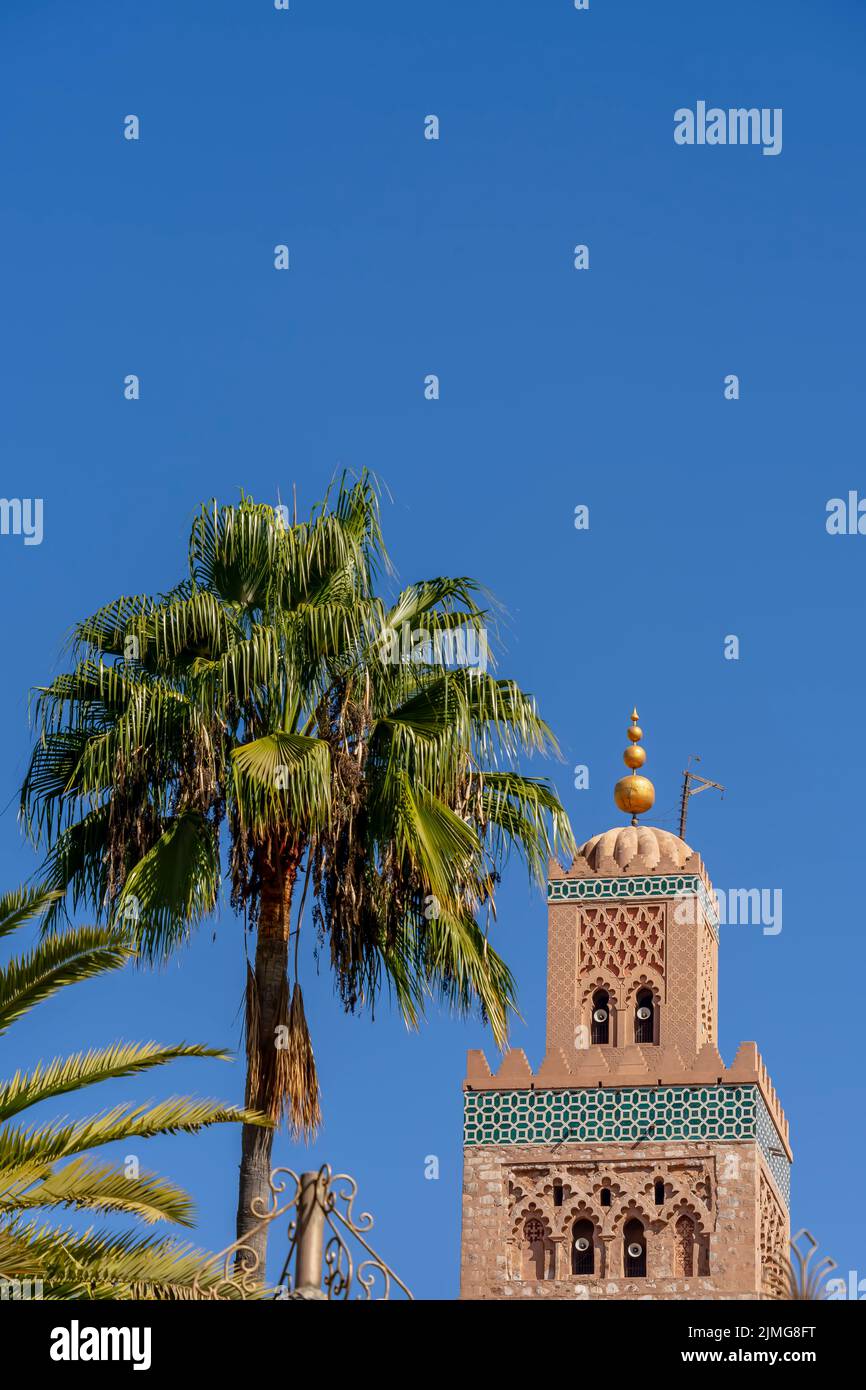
(634, 1250)
(534, 1249)
(684, 1247)
(644, 1017)
(659, 1192)
(600, 1017)
(582, 1248)
(605, 1196)
(557, 1192)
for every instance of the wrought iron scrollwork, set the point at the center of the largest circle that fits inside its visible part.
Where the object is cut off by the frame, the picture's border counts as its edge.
(369, 1275)
(794, 1277)
(321, 1232)
(341, 1271)
(238, 1263)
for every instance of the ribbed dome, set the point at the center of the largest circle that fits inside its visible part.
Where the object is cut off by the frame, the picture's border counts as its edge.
(658, 850)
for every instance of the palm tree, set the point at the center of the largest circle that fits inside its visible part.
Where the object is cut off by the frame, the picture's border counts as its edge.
(33, 1173)
(268, 705)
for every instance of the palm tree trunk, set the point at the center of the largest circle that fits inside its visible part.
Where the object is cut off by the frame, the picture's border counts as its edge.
(267, 1011)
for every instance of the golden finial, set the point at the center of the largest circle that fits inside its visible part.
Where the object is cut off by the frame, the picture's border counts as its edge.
(634, 793)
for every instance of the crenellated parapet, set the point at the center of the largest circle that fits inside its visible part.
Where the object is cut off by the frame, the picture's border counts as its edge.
(633, 1066)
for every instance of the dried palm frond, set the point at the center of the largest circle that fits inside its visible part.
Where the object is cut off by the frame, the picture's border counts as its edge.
(301, 1077)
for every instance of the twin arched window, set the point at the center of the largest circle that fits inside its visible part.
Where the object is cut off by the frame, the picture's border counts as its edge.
(601, 1028)
(691, 1249)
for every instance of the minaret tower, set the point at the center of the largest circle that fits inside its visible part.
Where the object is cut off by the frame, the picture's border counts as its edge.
(634, 1163)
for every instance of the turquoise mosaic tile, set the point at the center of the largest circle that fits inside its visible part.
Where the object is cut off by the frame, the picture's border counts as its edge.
(651, 886)
(601, 1115)
(773, 1151)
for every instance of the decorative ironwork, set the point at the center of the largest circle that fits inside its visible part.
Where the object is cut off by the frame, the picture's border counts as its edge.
(319, 1204)
(333, 1197)
(239, 1262)
(792, 1277)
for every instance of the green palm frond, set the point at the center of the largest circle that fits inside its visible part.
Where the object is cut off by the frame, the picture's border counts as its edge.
(525, 814)
(233, 551)
(172, 887)
(196, 626)
(156, 718)
(464, 967)
(53, 774)
(435, 840)
(269, 699)
(66, 1074)
(179, 1115)
(251, 664)
(23, 905)
(356, 507)
(108, 629)
(445, 598)
(89, 696)
(45, 1166)
(449, 958)
(94, 1265)
(87, 1186)
(280, 779)
(55, 962)
(75, 868)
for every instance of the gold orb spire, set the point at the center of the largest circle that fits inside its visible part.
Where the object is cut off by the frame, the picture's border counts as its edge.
(634, 793)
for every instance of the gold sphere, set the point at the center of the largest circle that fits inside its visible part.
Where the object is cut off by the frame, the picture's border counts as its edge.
(634, 794)
(634, 757)
(634, 733)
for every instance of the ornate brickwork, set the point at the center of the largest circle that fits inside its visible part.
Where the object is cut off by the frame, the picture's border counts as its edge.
(707, 972)
(773, 1237)
(545, 1204)
(633, 1163)
(622, 941)
(672, 943)
(562, 939)
(691, 1248)
(565, 1189)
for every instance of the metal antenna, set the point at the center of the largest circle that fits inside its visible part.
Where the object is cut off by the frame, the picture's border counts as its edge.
(688, 790)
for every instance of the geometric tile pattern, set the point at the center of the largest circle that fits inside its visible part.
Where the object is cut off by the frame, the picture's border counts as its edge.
(599, 1115)
(650, 886)
(777, 1160)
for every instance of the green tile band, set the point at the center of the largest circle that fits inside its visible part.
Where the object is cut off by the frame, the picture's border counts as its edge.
(651, 886)
(601, 1115)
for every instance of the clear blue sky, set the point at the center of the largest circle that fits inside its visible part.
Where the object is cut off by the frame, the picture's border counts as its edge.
(604, 387)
